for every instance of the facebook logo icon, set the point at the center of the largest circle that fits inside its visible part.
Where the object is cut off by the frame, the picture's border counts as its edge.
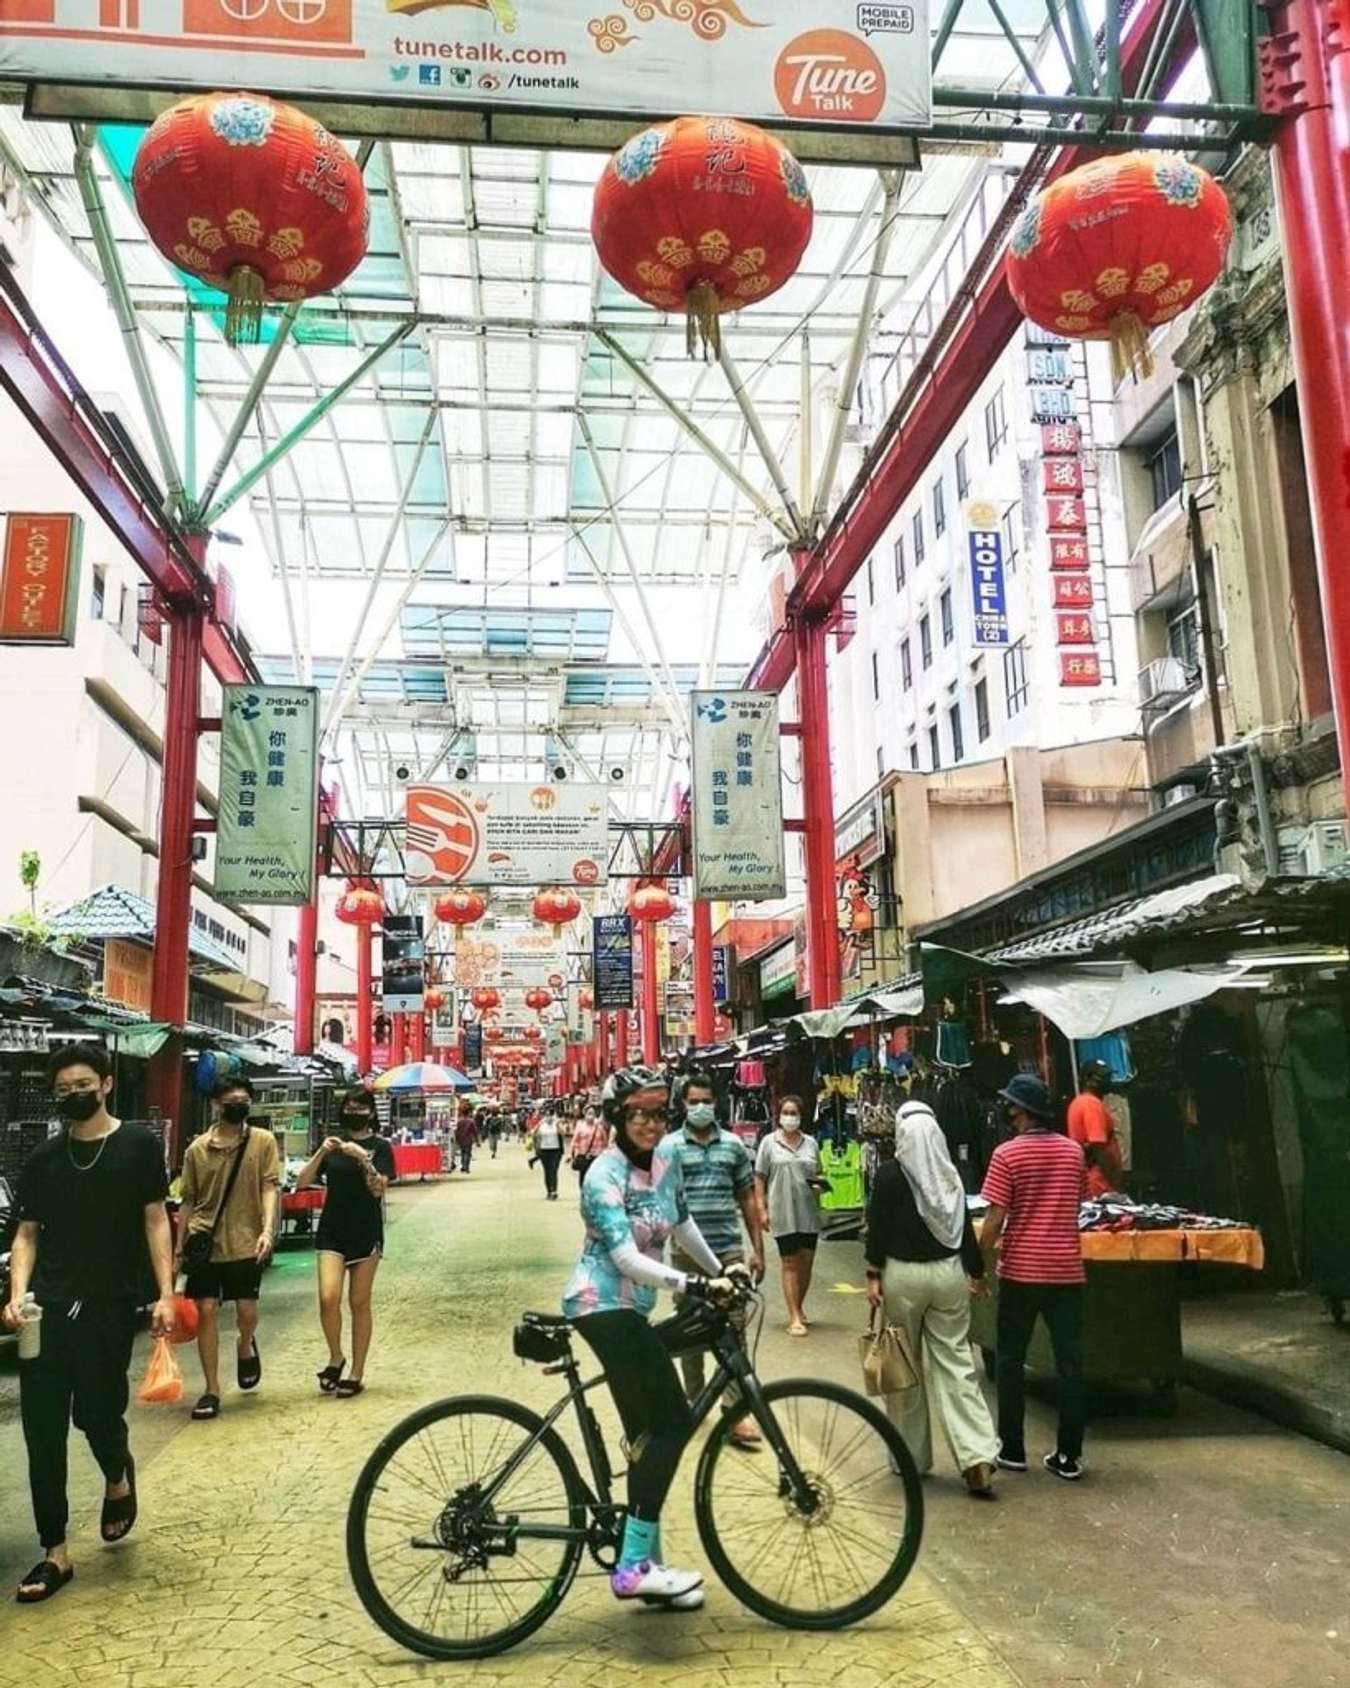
(429, 75)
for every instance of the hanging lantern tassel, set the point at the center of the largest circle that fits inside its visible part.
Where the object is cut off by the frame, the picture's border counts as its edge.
(1130, 350)
(244, 291)
(703, 320)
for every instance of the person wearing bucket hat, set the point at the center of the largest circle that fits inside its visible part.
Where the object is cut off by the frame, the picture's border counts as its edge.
(1035, 1185)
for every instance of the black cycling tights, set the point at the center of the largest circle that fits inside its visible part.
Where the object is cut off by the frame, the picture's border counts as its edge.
(647, 1391)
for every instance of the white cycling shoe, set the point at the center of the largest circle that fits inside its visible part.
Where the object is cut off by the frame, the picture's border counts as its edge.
(651, 1582)
(691, 1602)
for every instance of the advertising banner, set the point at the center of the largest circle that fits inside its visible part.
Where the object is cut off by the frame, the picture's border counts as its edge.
(987, 587)
(127, 969)
(679, 1009)
(445, 1021)
(487, 954)
(613, 961)
(737, 796)
(721, 973)
(507, 835)
(860, 834)
(40, 576)
(269, 794)
(473, 1047)
(857, 67)
(404, 960)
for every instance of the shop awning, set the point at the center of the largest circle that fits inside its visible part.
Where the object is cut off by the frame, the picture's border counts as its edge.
(904, 1000)
(1087, 999)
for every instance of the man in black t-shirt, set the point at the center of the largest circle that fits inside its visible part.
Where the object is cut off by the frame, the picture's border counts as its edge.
(93, 1245)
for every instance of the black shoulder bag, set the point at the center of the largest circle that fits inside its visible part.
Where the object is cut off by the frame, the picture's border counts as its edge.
(197, 1245)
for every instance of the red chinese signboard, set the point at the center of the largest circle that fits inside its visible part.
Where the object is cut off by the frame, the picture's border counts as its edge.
(1073, 592)
(1060, 439)
(1062, 474)
(1080, 668)
(1074, 630)
(38, 579)
(1065, 514)
(1069, 554)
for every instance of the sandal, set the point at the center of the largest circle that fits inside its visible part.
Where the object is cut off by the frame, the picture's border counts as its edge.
(328, 1377)
(207, 1407)
(798, 1328)
(49, 1579)
(248, 1370)
(120, 1511)
(349, 1386)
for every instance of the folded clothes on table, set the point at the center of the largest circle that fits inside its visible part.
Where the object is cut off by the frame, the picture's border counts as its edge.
(1119, 1213)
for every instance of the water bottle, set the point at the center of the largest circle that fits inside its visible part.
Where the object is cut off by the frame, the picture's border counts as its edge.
(30, 1331)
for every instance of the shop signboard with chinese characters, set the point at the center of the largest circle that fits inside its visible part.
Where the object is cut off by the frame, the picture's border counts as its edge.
(515, 834)
(39, 579)
(269, 795)
(404, 963)
(990, 598)
(737, 796)
(721, 973)
(127, 969)
(473, 1046)
(1073, 589)
(500, 956)
(837, 65)
(613, 972)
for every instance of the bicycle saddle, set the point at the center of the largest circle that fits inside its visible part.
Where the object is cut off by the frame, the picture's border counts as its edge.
(542, 1337)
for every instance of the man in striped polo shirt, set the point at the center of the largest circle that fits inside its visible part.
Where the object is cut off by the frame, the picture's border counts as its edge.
(1035, 1185)
(719, 1183)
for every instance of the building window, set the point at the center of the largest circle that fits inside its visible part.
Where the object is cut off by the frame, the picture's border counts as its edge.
(881, 763)
(899, 562)
(914, 753)
(918, 538)
(939, 508)
(962, 472)
(99, 597)
(1011, 527)
(958, 737)
(926, 641)
(876, 679)
(948, 620)
(1016, 689)
(1164, 470)
(906, 666)
(1183, 638)
(871, 584)
(995, 424)
(981, 710)
(935, 748)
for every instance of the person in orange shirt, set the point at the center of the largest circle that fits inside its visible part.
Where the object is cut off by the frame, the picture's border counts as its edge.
(1091, 1125)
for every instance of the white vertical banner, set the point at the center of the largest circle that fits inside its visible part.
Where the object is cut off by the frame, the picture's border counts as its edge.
(738, 796)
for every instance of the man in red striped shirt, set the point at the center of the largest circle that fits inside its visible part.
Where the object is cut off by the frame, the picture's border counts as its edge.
(1035, 1185)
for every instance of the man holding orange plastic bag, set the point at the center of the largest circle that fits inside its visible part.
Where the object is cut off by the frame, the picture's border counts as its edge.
(93, 1234)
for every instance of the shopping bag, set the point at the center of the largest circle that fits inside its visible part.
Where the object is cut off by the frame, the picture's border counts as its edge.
(185, 1316)
(888, 1367)
(163, 1381)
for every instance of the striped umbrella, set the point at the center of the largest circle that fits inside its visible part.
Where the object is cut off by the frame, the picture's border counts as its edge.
(423, 1076)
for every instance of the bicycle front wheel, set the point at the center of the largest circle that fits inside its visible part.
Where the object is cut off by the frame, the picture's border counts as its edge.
(440, 1569)
(837, 1559)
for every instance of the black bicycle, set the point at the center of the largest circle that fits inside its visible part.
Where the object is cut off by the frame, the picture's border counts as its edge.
(469, 1521)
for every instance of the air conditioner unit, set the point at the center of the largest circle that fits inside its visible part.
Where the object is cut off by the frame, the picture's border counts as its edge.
(1179, 794)
(1319, 848)
(1164, 681)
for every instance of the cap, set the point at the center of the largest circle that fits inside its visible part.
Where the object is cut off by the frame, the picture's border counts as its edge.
(1030, 1094)
(1093, 1069)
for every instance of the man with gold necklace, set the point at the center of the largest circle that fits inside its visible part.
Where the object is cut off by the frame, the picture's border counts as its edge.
(93, 1234)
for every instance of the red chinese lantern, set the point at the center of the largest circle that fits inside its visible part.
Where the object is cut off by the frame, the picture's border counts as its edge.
(432, 999)
(486, 999)
(556, 907)
(704, 215)
(533, 1033)
(460, 908)
(253, 197)
(1114, 249)
(539, 998)
(651, 902)
(358, 906)
(585, 999)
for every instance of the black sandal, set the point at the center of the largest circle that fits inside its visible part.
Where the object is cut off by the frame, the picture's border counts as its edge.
(328, 1377)
(249, 1370)
(348, 1387)
(49, 1578)
(207, 1407)
(122, 1510)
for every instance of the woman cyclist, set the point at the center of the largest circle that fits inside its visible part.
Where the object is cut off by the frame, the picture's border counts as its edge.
(632, 1200)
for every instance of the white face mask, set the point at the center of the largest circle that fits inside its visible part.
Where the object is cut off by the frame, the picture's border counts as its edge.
(700, 1115)
(790, 1122)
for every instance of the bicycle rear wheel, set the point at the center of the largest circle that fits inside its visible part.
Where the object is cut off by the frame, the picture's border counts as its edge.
(437, 1569)
(846, 1556)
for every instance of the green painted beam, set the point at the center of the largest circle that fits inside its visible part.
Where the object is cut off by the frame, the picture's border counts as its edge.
(1227, 31)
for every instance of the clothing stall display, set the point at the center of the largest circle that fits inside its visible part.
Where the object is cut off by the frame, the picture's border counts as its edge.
(842, 1169)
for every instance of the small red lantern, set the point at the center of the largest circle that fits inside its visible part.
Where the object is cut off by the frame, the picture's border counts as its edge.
(460, 908)
(704, 215)
(486, 999)
(539, 998)
(358, 906)
(253, 197)
(1112, 250)
(556, 907)
(432, 999)
(585, 999)
(533, 1033)
(652, 903)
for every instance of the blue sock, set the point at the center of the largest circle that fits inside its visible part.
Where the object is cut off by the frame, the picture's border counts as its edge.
(641, 1540)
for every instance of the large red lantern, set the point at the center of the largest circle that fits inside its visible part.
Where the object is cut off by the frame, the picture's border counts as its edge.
(358, 906)
(432, 999)
(652, 903)
(253, 197)
(703, 215)
(1112, 250)
(556, 907)
(460, 908)
(539, 999)
(486, 999)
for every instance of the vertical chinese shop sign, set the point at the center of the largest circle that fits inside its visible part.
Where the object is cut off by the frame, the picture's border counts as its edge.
(738, 796)
(39, 579)
(265, 839)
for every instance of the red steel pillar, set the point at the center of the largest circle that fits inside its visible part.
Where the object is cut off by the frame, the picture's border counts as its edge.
(365, 1008)
(651, 1021)
(398, 1039)
(173, 894)
(601, 1044)
(705, 1010)
(813, 706)
(306, 972)
(1312, 183)
(621, 1038)
(418, 1027)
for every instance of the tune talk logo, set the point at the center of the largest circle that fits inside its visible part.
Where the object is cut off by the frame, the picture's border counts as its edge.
(828, 73)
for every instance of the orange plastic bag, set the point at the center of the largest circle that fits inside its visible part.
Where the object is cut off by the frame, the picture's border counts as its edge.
(185, 1316)
(163, 1380)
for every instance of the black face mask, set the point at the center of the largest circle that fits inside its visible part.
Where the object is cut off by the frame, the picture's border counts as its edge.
(80, 1105)
(356, 1122)
(235, 1113)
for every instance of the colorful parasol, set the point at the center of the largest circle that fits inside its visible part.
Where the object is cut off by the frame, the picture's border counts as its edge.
(425, 1076)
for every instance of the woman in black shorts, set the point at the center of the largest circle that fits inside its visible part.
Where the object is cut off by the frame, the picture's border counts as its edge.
(355, 1169)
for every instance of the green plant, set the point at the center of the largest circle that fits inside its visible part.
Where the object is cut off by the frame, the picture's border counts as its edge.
(30, 871)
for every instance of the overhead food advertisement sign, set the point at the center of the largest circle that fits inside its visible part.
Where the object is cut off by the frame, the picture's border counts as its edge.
(507, 834)
(269, 793)
(39, 574)
(499, 956)
(837, 64)
(738, 801)
(613, 972)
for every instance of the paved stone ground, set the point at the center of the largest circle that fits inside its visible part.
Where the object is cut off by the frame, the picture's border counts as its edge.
(1206, 1551)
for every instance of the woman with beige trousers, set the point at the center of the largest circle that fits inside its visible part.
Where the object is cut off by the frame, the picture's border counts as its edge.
(923, 1265)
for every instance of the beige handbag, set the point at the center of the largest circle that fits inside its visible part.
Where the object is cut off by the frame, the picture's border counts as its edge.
(888, 1366)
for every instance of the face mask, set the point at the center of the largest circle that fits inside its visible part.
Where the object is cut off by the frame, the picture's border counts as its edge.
(790, 1122)
(355, 1122)
(235, 1113)
(700, 1115)
(80, 1105)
